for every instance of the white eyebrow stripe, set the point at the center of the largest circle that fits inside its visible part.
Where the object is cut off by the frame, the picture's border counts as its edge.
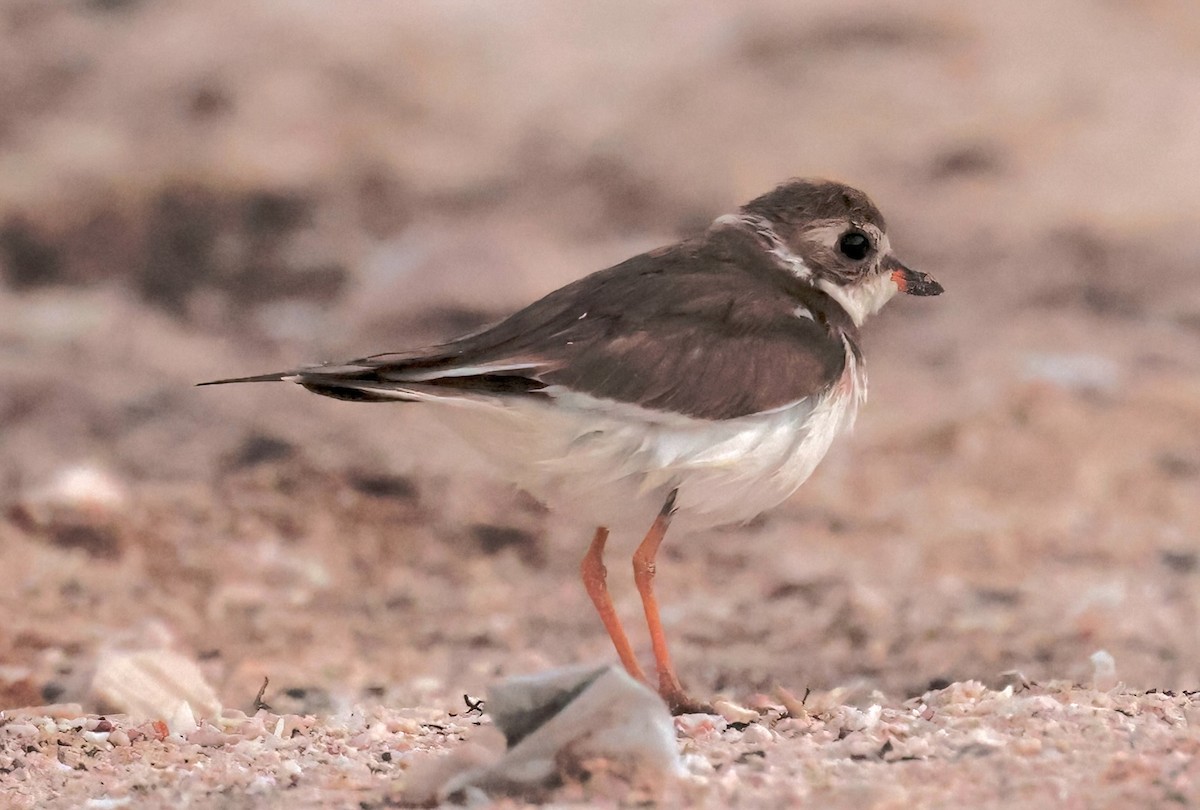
(803, 312)
(774, 245)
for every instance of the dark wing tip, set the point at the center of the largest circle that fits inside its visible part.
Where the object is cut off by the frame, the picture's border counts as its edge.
(276, 377)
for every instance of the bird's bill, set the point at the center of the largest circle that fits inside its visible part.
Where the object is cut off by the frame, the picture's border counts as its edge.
(910, 281)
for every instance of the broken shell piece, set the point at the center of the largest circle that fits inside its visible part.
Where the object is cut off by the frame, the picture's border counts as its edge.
(152, 685)
(792, 704)
(1104, 671)
(79, 509)
(83, 487)
(182, 720)
(700, 726)
(813, 703)
(733, 713)
(82, 490)
(554, 721)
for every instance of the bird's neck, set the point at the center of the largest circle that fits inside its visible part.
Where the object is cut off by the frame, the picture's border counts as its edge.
(863, 299)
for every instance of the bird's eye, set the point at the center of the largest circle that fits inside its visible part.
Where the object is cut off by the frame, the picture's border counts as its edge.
(854, 245)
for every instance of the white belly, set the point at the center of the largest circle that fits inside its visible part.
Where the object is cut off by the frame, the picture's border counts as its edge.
(611, 464)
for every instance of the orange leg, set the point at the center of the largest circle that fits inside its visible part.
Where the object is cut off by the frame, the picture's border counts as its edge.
(595, 580)
(643, 574)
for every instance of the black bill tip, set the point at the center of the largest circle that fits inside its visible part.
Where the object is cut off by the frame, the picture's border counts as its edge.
(914, 282)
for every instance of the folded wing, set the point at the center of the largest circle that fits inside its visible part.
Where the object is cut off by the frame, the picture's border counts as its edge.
(672, 331)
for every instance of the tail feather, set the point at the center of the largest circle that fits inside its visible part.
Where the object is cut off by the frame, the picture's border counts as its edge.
(369, 380)
(349, 382)
(276, 377)
(353, 394)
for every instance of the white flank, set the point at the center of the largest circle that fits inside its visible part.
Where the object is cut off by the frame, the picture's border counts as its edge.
(612, 464)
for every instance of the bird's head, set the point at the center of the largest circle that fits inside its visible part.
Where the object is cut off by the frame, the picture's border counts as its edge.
(833, 237)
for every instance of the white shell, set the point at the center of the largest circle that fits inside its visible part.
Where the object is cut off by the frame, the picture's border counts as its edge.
(155, 685)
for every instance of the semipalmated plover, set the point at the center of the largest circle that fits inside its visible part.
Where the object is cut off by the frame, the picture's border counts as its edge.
(699, 383)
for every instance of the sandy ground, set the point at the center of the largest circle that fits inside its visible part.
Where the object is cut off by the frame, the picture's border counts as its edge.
(190, 191)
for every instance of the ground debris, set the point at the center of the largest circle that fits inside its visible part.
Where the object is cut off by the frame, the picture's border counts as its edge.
(567, 724)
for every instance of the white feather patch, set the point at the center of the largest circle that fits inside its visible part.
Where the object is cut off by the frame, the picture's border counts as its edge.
(861, 299)
(464, 371)
(774, 245)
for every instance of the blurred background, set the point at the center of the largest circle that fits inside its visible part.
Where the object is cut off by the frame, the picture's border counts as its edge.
(198, 190)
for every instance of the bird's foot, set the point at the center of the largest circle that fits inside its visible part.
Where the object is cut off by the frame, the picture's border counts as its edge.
(679, 701)
(683, 703)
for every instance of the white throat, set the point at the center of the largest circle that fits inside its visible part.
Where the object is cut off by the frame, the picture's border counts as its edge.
(862, 299)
